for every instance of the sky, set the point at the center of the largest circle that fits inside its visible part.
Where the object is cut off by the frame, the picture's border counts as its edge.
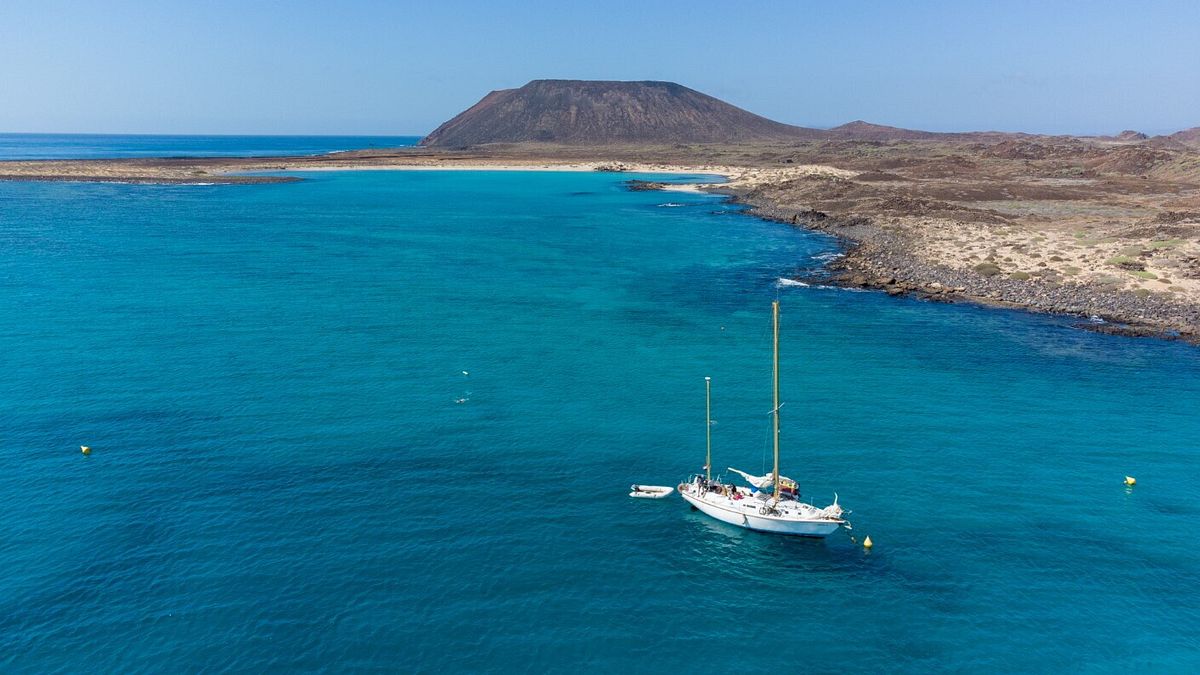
(362, 67)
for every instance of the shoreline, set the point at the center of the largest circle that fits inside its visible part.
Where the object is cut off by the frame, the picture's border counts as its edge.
(896, 237)
(257, 170)
(586, 167)
(872, 259)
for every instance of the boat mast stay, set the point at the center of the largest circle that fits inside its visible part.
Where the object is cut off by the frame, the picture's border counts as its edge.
(708, 428)
(775, 378)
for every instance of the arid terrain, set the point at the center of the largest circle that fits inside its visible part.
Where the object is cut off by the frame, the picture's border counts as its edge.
(1095, 227)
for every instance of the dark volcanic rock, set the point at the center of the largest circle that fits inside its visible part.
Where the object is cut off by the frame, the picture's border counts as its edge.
(585, 112)
(879, 177)
(643, 185)
(882, 258)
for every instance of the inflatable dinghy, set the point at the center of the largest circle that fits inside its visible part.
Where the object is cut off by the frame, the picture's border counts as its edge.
(650, 491)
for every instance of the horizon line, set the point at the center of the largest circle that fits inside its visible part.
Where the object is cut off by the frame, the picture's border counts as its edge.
(1151, 132)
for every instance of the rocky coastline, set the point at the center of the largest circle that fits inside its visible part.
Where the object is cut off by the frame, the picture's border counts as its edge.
(882, 259)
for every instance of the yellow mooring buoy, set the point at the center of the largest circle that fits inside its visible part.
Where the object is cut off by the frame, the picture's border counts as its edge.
(85, 449)
(1130, 481)
(867, 543)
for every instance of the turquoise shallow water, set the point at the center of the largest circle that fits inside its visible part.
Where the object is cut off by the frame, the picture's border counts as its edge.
(108, 146)
(282, 478)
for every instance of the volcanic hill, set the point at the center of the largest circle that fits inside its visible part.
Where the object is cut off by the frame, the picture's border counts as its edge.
(585, 112)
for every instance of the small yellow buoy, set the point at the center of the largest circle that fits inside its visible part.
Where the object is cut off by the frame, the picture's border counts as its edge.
(867, 543)
(1130, 481)
(85, 449)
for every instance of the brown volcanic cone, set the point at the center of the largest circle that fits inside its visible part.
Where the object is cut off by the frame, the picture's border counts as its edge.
(866, 131)
(587, 112)
(1187, 136)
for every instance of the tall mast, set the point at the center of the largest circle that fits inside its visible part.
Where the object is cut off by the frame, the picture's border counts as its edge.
(775, 380)
(708, 428)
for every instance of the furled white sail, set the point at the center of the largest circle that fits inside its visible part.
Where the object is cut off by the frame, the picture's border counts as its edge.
(759, 482)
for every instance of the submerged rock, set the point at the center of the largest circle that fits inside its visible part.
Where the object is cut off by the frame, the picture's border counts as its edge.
(643, 185)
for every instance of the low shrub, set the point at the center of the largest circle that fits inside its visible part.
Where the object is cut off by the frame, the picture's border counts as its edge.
(988, 269)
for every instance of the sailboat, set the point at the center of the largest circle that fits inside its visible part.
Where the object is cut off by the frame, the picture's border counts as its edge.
(780, 511)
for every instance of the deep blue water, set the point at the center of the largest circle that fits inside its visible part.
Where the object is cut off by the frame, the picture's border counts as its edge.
(108, 146)
(282, 478)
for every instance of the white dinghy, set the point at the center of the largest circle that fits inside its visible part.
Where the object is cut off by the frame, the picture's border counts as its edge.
(650, 491)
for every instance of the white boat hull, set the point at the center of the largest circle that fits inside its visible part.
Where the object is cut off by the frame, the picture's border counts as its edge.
(745, 513)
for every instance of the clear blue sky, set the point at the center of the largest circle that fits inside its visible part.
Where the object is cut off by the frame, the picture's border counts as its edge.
(360, 67)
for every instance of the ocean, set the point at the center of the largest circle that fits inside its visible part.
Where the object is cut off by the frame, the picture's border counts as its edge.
(115, 146)
(388, 421)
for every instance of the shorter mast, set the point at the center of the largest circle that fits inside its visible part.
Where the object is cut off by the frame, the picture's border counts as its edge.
(708, 428)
